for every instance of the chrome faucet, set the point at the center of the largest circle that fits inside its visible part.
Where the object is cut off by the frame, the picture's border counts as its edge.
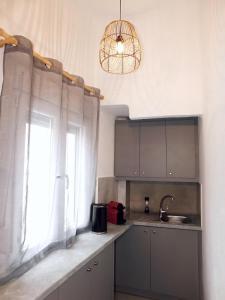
(162, 211)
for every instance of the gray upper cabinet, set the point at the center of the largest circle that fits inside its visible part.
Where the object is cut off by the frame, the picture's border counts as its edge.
(126, 148)
(153, 149)
(174, 263)
(132, 259)
(182, 148)
(165, 149)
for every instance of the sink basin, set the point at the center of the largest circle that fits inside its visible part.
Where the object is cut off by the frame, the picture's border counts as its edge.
(177, 219)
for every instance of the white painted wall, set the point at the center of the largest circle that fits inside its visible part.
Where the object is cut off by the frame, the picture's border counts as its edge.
(106, 145)
(213, 152)
(169, 81)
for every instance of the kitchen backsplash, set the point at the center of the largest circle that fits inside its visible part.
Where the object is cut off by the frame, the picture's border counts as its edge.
(132, 194)
(187, 196)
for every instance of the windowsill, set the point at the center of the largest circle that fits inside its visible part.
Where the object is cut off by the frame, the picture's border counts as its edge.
(51, 272)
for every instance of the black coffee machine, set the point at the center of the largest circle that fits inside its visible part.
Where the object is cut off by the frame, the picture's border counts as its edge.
(99, 218)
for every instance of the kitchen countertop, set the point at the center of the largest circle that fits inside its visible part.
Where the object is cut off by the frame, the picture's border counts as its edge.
(58, 266)
(152, 220)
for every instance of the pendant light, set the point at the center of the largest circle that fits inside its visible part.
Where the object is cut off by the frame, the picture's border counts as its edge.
(120, 49)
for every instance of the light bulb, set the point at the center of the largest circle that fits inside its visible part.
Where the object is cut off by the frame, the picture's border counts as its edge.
(120, 47)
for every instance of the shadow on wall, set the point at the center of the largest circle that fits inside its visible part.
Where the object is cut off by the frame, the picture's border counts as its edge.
(107, 189)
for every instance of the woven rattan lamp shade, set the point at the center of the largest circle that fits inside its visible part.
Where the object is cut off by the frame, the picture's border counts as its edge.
(120, 49)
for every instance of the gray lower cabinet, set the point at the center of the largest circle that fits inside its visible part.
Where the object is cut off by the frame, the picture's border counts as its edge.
(126, 148)
(53, 296)
(174, 263)
(102, 281)
(162, 263)
(78, 286)
(132, 259)
(94, 281)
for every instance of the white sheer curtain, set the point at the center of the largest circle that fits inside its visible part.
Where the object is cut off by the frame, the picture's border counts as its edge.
(43, 197)
(73, 119)
(1, 66)
(14, 114)
(48, 151)
(89, 161)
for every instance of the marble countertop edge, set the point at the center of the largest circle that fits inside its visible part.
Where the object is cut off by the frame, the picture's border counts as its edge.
(166, 225)
(57, 267)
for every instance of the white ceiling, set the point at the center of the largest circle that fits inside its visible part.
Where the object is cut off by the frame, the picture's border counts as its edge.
(111, 7)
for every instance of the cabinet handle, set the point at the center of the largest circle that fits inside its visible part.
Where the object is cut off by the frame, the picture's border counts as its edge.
(153, 231)
(135, 172)
(89, 269)
(145, 231)
(143, 172)
(96, 263)
(172, 173)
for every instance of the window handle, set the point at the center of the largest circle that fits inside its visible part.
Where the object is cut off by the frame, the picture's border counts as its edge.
(67, 181)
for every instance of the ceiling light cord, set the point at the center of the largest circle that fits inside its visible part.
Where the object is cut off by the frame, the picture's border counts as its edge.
(120, 9)
(120, 16)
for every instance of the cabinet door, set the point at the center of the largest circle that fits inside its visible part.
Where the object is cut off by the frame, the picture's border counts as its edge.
(153, 149)
(77, 287)
(53, 296)
(182, 148)
(174, 263)
(126, 148)
(132, 259)
(102, 279)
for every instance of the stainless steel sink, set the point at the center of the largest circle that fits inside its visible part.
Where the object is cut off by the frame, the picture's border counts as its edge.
(177, 219)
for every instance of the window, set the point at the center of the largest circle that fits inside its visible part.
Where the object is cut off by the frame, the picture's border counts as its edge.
(48, 161)
(73, 141)
(39, 181)
(51, 185)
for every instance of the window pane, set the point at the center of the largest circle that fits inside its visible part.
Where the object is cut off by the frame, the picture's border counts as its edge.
(40, 182)
(72, 170)
(43, 220)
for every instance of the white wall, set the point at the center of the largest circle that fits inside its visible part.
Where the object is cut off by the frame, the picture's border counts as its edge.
(169, 81)
(106, 145)
(213, 152)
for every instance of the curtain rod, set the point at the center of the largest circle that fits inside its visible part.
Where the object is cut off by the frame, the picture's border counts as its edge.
(10, 40)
